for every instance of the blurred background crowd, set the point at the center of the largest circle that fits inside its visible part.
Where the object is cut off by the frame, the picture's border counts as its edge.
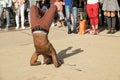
(97, 13)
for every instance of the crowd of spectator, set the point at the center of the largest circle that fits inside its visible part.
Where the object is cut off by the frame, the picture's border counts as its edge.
(96, 12)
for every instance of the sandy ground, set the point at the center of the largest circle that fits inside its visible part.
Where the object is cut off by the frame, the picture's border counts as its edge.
(86, 57)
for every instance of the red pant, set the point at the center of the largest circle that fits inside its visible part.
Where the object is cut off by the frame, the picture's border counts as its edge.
(92, 10)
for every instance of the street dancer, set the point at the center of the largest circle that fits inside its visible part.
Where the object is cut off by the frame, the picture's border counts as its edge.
(40, 25)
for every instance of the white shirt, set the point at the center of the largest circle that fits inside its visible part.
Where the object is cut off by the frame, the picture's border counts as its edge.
(92, 1)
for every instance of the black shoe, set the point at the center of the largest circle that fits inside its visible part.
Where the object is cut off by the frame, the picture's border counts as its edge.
(69, 31)
(75, 31)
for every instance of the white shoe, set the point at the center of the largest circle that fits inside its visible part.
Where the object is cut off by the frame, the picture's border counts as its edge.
(0, 29)
(52, 25)
(16, 27)
(22, 27)
(6, 29)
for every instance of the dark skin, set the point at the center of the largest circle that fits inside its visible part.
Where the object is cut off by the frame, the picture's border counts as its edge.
(43, 47)
(40, 24)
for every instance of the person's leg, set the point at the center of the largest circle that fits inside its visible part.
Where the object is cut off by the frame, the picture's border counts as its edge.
(67, 10)
(17, 18)
(113, 30)
(8, 17)
(1, 19)
(89, 9)
(29, 18)
(109, 21)
(58, 24)
(113, 18)
(95, 16)
(109, 24)
(90, 15)
(37, 16)
(74, 13)
(22, 10)
(102, 17)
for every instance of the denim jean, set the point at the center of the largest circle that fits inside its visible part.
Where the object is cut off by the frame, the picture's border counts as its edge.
(68, 11)
(7, 15)
(20, 12)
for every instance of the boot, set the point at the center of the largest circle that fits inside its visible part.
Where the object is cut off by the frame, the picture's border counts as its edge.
(113, 31)
(109, 24)
(113, 25)
(109, 31)
(69, 31)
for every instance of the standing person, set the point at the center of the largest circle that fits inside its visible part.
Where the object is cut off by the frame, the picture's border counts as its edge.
(71, 7)
(5, 5)
(93, 12)
(40, 25)
(102, 17)
(110, 7)
(45, 5)
(20, 9)
(59, 5)
(38, 3)
(51, 4)
(118, 2)
(30, 3)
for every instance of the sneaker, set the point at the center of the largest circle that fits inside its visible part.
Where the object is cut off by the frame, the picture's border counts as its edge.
(69, 31)
(75, 31)
(52, 25)
(96, 32)
(6, 29)
(92, 31)
(22, 27)
(17, 27)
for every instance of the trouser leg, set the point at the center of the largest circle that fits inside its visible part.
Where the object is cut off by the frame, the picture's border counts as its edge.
(113, 22)
(37, 16)
(113, 30)
(109, 23)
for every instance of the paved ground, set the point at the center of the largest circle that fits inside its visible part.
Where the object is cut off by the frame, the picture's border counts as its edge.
(86, 57)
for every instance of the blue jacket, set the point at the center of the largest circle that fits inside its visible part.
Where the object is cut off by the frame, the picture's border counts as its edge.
(5, 3)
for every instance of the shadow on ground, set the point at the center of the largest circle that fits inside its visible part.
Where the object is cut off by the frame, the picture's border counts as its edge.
(63, 53)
